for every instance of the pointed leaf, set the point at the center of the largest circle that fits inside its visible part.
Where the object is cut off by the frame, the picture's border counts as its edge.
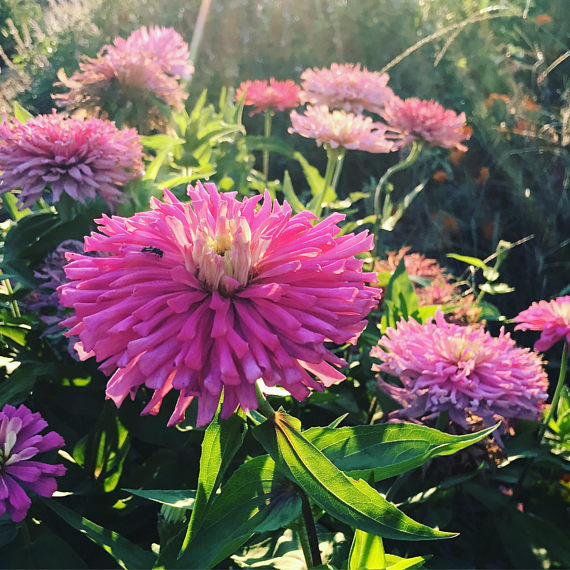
(178, 498)
(367, 551)
(20, 113)
(289, 193)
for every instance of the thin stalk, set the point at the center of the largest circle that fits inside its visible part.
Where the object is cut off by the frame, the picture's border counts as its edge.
(332, 154)
(266, 134)
(557, 391)
(338, 169)
(264, 406)
(308, 535)
(13, 303)
(383, 190)
(199, 30)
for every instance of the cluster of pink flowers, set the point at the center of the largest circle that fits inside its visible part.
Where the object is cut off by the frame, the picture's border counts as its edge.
(151, 59)
(460, 369)
(341, 129)
(81, 158)
(275, 95)
(346, 86)
(20, 440)
(216, 294)
(552, 318)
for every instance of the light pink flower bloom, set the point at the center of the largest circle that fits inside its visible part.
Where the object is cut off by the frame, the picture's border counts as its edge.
(426, 120)
(20, 440)
(275, 95)
(215, 294)
(444, 366)
(83, 159)
(346, 86)
(552, 318)
(153, 59)
(339, 128)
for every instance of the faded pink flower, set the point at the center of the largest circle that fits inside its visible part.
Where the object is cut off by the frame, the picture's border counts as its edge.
(346, 86)
(275, 95)
(339, 128)
(215, 294)
(552, 318)
(426, 120)
(20, 440)
(444, 366)
(83, 159)
(151, 59)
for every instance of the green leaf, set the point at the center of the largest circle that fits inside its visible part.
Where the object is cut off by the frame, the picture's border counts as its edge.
(20, 113)
(489, 312)
(127, 554)
(9, 201)
(400, 299)
(469, 260)
(315, 180)
(18, 385)
(15, 333)
(353, 502)
(397, 563)
(390, 223)
(160, 142)
(178, 498)
(387, 449)
(289, 193)
(367, 551)
(271, 144)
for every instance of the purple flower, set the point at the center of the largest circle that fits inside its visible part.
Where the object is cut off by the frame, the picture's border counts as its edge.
(20, 440)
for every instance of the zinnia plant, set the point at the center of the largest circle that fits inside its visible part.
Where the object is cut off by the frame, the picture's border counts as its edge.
(51, 155)
(20, 440)
(214, 295)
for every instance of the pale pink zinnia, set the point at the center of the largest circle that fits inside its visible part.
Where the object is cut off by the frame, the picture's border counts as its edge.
(420, 120)
(341, 129)
(215, 294)
(551, 318)
(81, 158)
(20, 440)
(154, 59)
(346, 86)
(275, 95)
(460, 369)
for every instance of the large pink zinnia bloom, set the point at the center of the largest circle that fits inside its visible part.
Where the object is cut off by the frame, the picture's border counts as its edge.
(339, 128)
(444, 366)
(154, 59)
(83, 159)
(552, 318)
(215, 294)
(346, 86)
(20, 440)
(426, 120)
(275, 95)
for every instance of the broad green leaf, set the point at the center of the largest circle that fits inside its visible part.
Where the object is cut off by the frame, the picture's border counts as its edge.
(9, 201)
(387, 449)
(178, 498)
(18, 385)
(353, 502)
(469, 260)
(489, 312)
(315, 181)
(397, 563)
(20, 113)
(127, 554)
(289, 193)
(15, 333)
(367, 551)
(160, 142)
(222, 440)
(400, 299)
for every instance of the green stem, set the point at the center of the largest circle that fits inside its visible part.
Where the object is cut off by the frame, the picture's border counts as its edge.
(442, 420)
(13, 303)
(338, 169)
(266, 134)
(332, 154)
(383, 190)
(307, 533)
(199, 30)
(264, 406)
(557, 391)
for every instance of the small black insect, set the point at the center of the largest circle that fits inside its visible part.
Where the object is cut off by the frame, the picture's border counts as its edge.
(154, 250)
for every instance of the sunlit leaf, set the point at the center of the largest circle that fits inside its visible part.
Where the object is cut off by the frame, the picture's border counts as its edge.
(178, 498)
(367, 551)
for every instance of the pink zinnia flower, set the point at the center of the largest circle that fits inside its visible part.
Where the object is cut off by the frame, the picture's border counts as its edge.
(83, 159)
(346, 86)
(20, 440)
(551, 318)
(215, 294)
(426, 120)
(444, 366)
(154, 59)
(339, 128)
(276, 96)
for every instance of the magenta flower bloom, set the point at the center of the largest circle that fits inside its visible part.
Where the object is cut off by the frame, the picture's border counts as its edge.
(215, 294)
(444, 366)
(275, 95)
(83, 159)
(339, 128)
(551, 318)
(154, 59)
(20, 440)
(426, 120)
(346, 86)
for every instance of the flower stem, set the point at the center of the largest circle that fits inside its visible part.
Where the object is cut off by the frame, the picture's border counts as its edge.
(13, 303)
(264, 406)
(307, 533)
(199, 30)
(557, 391)
(332, 156)
(338, 169)
(384, 191)
(266, 134)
